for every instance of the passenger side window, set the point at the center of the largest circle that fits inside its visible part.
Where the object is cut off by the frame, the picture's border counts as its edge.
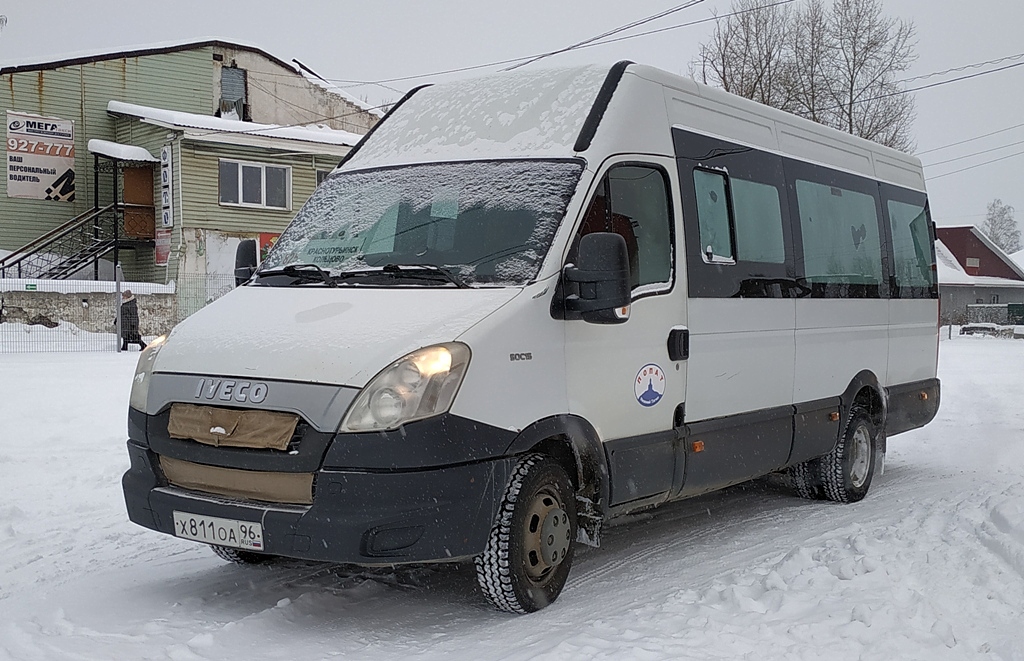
(841, 243)
(758, 212)
(633, 201)
(911, 246)
(716, 241)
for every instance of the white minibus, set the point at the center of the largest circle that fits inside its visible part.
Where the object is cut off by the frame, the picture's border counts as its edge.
(528, 303)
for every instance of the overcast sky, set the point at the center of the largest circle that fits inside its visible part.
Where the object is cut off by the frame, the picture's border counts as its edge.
(376, 40)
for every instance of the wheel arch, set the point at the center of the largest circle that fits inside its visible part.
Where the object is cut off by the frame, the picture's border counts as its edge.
(575, 444)
(866, 391)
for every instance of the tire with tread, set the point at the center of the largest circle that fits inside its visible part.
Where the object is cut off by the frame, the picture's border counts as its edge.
(504, 569)
(845, 473)
(804, 478)
(241, 557)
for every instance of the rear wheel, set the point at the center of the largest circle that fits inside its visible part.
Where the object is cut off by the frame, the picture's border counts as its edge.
(846, 472)
(530, 548)
(242, 557)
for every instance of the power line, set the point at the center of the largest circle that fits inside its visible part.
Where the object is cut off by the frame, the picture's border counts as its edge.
(977, 165)
(961, 142)
(964, 68)
(614, 31)
(977, 153)
(361, 83)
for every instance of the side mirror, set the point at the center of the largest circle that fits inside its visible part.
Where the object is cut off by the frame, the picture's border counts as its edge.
(603, 279)
(245, 261)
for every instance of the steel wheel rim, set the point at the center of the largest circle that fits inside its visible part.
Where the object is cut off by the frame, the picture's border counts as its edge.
(860, 460)
(545, 505)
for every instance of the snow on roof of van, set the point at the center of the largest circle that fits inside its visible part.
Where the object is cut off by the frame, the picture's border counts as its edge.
(534, 113)
(206, 126)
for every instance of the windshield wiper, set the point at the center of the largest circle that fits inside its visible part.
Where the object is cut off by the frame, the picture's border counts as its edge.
(307, 272)
(432, 271)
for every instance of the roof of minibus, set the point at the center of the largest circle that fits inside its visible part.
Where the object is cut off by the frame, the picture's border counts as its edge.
(540, 113)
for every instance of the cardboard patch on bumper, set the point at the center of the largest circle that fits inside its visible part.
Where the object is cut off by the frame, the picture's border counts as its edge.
(294, 488)
(231, 428)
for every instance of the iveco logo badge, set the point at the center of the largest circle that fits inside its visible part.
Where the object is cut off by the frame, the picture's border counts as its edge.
(649, 385)
(227, 390)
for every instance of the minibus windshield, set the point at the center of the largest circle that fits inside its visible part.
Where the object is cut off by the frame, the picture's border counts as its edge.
(436, 224)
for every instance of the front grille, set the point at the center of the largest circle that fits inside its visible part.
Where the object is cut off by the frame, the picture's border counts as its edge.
(272, 487)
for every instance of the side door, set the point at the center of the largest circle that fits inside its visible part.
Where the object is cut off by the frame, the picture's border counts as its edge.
(742, 289)
(621, 377)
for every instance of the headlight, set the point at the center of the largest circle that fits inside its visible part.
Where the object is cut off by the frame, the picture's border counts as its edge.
(143, 373)
(421, 385)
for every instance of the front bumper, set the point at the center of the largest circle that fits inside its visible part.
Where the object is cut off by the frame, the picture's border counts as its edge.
(373, 517)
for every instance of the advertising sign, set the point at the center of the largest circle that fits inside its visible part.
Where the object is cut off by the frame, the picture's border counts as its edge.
(267, 242)
(40, 157)
(163, 246)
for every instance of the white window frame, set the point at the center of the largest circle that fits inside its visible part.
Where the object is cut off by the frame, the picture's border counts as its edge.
(263, 187)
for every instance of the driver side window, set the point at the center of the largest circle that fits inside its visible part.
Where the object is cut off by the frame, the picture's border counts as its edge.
(633, 202)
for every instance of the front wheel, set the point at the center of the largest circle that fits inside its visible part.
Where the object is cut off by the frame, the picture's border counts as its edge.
(530, 547)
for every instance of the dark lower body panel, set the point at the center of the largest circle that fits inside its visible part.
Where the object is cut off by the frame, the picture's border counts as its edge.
(706, 455)
(370, 518)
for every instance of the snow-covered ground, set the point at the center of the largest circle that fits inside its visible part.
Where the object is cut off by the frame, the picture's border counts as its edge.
(929, 566)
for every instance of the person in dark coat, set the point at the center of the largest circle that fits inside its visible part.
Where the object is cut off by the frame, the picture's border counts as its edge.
(130, 321)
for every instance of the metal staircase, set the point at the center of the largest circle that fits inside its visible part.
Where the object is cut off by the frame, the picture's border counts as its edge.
(66, 250)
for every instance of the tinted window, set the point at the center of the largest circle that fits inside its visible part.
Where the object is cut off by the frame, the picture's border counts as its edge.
(911, 246)
(713, 216)
(758, 213)
(840, 239)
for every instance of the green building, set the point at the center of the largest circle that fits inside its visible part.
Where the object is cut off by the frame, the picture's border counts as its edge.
(162, 158)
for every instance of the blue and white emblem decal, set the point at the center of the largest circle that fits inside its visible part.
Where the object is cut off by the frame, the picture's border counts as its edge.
(649, 385)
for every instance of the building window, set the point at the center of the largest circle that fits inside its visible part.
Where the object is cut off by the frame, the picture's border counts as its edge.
(973, 263)
(321, 175)
(255, 185)
(995, 298)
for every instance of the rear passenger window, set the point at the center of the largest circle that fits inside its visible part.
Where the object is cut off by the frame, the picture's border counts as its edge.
(911, 247)
(841, 243)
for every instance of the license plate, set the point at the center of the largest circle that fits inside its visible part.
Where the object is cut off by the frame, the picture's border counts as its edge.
(222, 532)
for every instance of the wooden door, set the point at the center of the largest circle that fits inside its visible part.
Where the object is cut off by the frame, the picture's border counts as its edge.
(139, 210)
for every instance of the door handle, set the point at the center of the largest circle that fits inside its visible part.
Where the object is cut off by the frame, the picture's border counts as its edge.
(679, 343)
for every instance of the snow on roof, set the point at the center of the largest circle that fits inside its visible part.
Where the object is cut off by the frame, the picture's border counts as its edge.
(949, 270)
(535, 113)
(999, 252)
(951, 273)
(334, 89)
(92, 55)
(206, 126)
(1018, 258)
(121, 152)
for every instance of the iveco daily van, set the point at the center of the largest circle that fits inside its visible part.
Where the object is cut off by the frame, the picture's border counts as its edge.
(528, 303)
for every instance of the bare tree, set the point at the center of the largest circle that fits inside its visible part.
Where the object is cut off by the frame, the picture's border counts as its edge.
(747, 52)
(1001, 226)
(869, 50)
(837, 66)
(809, 69)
